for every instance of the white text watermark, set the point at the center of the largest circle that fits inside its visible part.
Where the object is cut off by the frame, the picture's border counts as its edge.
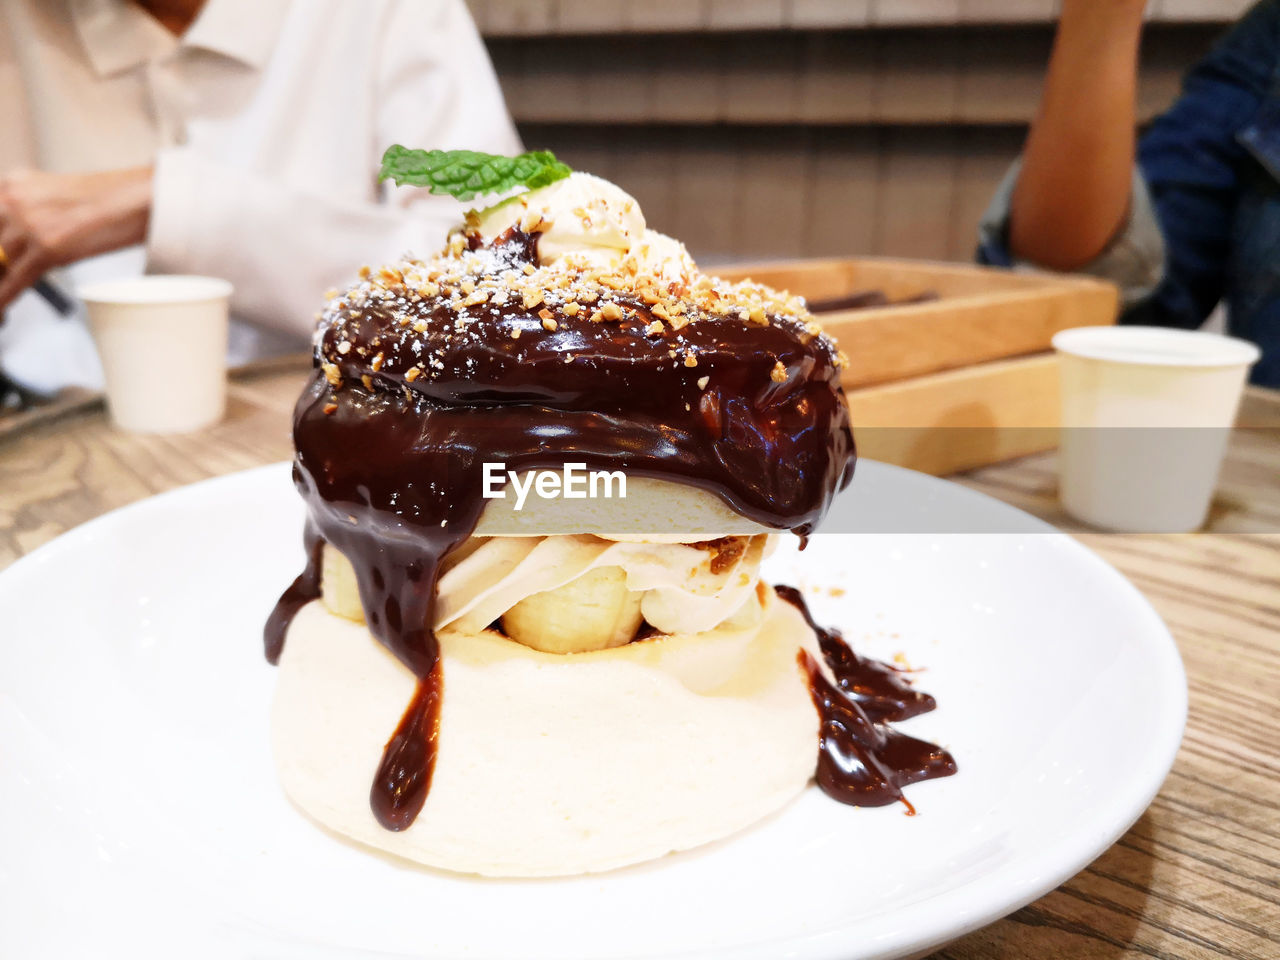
(572, 482)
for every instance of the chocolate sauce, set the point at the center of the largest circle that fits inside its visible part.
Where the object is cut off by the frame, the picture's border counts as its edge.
(302, 591)
(861, 760)
(390, 461)
(404, 775)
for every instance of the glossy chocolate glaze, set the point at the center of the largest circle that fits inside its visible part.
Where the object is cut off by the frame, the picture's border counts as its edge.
(861, 760)
(404, 775)
(304, 589)
(394, 428)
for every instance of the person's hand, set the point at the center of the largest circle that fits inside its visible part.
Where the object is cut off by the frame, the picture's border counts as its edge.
(51, 219)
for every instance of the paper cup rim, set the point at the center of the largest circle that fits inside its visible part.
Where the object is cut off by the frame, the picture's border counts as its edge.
(1156, 347)
(156, 290)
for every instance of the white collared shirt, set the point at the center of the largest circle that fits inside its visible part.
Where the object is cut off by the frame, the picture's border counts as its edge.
(265, 122)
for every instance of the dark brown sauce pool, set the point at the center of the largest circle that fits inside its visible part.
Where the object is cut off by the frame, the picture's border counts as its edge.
(861, 760)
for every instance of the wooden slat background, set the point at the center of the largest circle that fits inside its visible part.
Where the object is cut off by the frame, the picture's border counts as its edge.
(542, 17)
(786, 128)
(898, 76)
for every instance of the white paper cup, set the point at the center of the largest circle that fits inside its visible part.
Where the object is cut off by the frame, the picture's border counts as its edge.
(163, 344)
(1146, 416)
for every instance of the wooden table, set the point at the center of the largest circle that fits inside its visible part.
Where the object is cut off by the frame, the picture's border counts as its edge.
(1195, 877)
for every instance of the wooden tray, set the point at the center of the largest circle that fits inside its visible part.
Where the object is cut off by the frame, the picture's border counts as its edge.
(981, 313)
(960, 419)
(954, 383)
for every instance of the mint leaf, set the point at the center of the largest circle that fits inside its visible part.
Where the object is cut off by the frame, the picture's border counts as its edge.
(466, 173)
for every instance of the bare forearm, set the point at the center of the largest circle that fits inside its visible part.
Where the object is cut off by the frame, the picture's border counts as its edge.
(1073, 192)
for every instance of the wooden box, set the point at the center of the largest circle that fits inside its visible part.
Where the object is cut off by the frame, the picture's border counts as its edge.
(957, 381)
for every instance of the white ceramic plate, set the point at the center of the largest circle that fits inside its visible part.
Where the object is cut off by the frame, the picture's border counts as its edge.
(140, 816)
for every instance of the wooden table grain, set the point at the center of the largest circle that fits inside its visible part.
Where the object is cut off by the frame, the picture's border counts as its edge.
(1196, 877)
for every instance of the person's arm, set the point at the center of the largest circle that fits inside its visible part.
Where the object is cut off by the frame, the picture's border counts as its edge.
(1072, 194)
(1197, 160)
(49, 220)
(282, 247)
(1171, 250)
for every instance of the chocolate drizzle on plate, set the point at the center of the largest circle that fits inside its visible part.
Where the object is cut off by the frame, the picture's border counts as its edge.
(414, 392)
(861, 760)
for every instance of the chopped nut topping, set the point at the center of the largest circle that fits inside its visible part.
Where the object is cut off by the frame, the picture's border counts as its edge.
(725, 552)
(424, 302)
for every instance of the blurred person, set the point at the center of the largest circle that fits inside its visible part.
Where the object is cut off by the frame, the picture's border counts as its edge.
(1182, 218)
(233, 138)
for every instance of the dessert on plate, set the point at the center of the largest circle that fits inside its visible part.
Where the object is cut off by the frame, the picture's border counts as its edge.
(483, 675)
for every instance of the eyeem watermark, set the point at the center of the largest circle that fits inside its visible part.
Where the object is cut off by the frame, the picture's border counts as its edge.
(573, 482)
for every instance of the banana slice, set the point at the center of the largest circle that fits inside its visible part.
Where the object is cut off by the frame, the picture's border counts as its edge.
(338, 587)
(594, 612)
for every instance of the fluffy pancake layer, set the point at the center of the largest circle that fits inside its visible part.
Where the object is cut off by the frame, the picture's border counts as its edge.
(552, 764)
